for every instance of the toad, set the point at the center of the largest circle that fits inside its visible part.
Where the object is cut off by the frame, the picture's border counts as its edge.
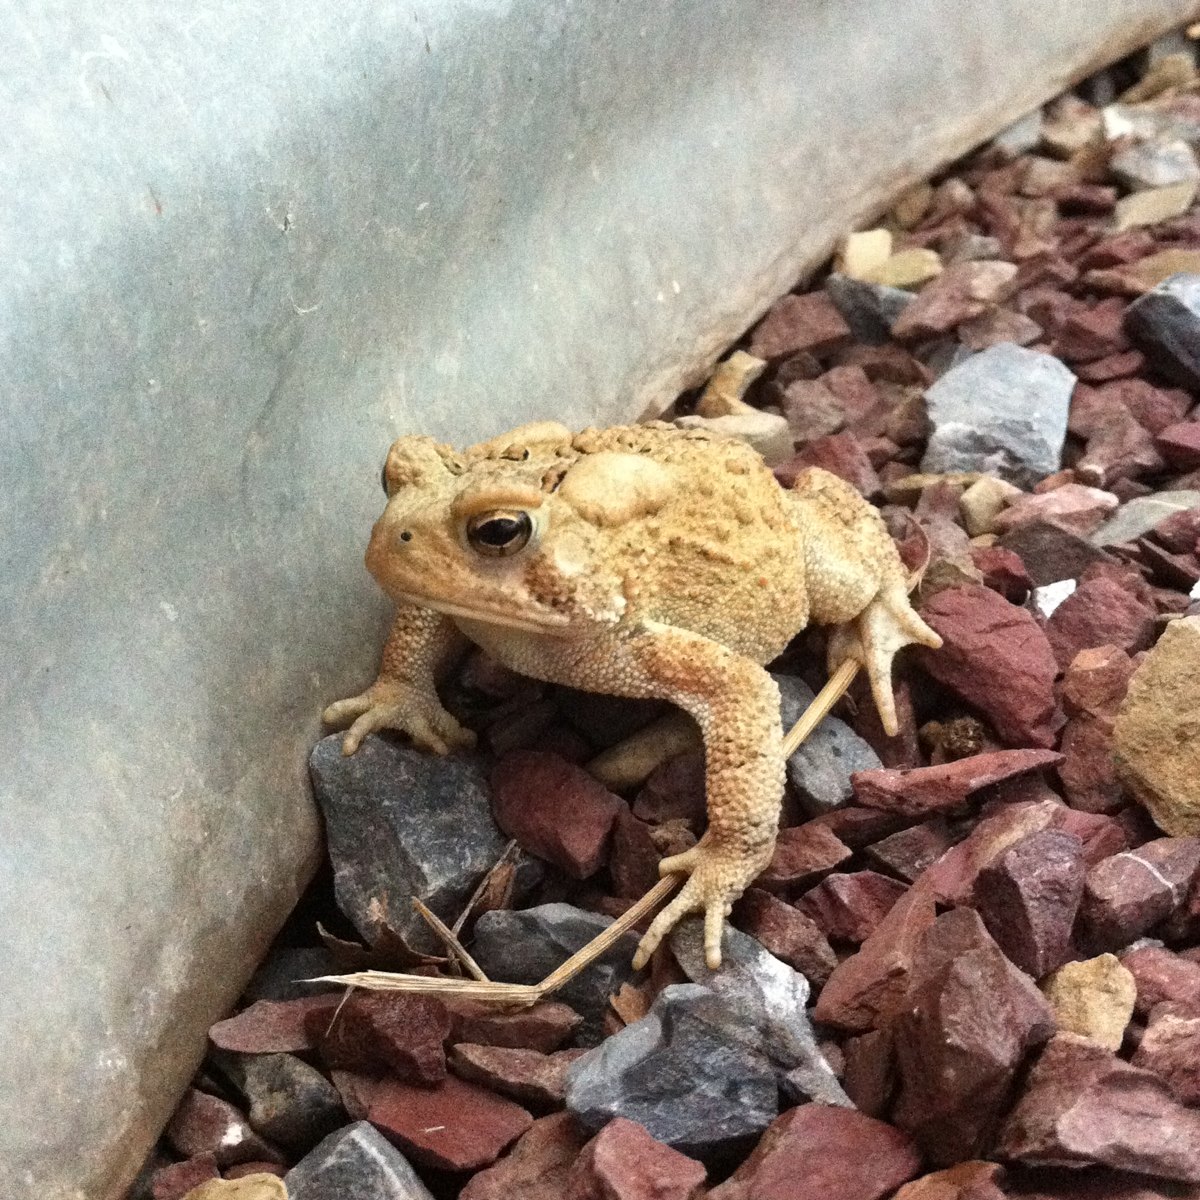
(640, 561)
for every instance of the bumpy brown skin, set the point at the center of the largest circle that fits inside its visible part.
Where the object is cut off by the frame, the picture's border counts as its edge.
(662, 563)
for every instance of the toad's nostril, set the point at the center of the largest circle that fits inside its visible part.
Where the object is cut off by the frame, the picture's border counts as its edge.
(406, 535)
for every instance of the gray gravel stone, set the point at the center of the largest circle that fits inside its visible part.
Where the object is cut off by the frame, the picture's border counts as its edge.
(1003, 411)
(691, 1071)
(870, 309)
(356, 1163)
(768, 996)
(1138, 516)
(289, 1102)
(524, 946)
(820, 769)
(1155, 164)
(1022, 136)
(1165, 325)
(403, 823)
(281, 976)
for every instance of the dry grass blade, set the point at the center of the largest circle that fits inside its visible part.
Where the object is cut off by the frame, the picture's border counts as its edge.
(455, 947)
(505, 863)
(518, 994)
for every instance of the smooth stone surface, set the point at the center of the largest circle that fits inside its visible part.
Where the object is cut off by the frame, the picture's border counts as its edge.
(242, 253)
(1004, 412)
(356, 1161)
(525, 946)
(399, 823)
(691, 1072)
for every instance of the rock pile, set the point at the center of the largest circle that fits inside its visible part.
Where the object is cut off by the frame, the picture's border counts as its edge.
(972, 968)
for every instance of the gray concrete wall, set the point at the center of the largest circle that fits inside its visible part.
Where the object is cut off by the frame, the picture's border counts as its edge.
(247, 243)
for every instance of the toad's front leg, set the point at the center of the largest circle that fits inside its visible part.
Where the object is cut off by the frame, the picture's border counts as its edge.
(421, 644)
(736, 704)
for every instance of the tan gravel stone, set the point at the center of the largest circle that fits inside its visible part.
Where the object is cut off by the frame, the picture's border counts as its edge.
(1093, 998)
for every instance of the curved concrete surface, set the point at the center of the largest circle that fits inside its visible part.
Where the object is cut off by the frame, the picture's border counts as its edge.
(244, 245)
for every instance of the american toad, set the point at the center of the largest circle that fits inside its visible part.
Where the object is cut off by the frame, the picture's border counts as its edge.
(642, 561)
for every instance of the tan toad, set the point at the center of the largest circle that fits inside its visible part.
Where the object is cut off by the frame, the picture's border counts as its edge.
(641, 561)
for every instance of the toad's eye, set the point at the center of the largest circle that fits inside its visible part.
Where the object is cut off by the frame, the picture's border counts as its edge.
(384, 480)
(499, 533)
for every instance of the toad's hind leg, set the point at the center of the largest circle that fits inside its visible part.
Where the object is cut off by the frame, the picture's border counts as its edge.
(856, 581)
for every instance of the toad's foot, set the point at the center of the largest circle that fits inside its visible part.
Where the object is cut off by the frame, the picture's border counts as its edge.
(718, 875)
(387, 704)
(872, 640)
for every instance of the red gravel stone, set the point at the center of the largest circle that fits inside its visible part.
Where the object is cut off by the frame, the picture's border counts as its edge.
(1102, 836)
(961, 292)
(1084, 1105)
(1180, 445)
(1003, 572)
(1130, 893)
(849, 907)
(1119, 448)
(1087, 772)
(1028, 897)
(860, 399)
(868, 987)
(204, 1124)
(812, 410)
(1073, 506)
(803, 854)
(633, 863)
(1152, 407)
(1115, 366)
(454, 1127)
(531, 792)
(544, 1027)
(275, 1026)
(1170, 1050)
(527, 1076)
(674, 791)
(1051, 553)
(375, 1029)
(623, 1162)
(1100, 612)
(817, 1152)
(840, 453)
(788, 933)
(973, 1180)
(869, 1071)
(910, 852)
(1092, 333)
(1180, 532)
(355, 1089)
(859, 827)
(1119, 250)
(537, 1166)
(952, 878)
(996, 658)
(174, 1182)
(795, 323)
(967, 1022)
(1096, 681)
(1162, 977)
(920, 791)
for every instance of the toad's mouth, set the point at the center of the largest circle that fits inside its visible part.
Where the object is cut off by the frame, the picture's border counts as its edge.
(489, 614)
